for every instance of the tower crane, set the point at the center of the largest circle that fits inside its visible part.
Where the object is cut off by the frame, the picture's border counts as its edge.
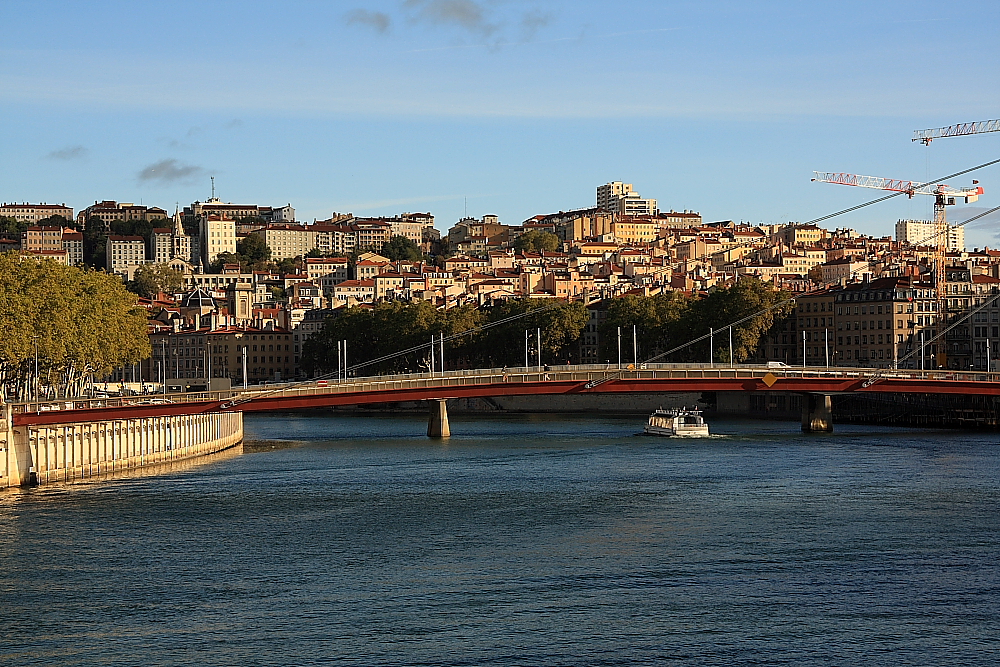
(927, 136)
(943, 195)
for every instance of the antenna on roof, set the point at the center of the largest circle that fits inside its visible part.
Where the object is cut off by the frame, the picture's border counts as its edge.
(213, 186)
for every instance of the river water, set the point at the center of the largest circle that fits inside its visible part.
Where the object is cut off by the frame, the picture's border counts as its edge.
(520, 541)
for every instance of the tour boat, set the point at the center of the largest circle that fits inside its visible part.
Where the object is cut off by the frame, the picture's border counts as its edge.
(676, 422)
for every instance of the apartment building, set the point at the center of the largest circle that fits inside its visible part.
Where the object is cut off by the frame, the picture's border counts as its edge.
(26, 212)
(288, 241)
(110, 210)
(928, 233)
(217, 236)
(124, 252)
(621, 198)
(327, 272)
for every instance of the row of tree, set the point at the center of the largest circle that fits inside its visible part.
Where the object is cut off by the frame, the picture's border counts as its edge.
(494, 336)
(476, 337)
(668, 320)
(75, 322)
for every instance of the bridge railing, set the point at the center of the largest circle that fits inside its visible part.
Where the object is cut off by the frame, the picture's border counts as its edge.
(593, 373)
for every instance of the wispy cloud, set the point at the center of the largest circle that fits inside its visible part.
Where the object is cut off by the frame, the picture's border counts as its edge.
(467, 14)
(69, 153)
(168, 171)
(378, 21)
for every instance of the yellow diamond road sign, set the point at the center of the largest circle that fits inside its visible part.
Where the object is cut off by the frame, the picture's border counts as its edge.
(769, 379)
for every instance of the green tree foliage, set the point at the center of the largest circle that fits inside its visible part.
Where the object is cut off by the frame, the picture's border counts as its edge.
(222, 259)
(401, 248)
(390, 327)
(95, 239)
(12, 228)
(151, 279)
(83, 322)
(655, 319)
(253, 252)
(58, 221)
(668, 320)
(535, 240)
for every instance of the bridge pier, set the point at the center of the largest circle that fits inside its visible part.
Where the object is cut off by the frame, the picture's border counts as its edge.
(437, 422)
(817, 413)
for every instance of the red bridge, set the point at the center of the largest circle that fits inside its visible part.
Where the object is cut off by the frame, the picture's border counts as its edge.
(816, 383)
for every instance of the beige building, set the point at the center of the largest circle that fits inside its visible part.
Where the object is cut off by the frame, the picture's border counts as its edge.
(218, 235)
(110, 210)
(327, 272)
(621, 198)
(124, 252)
(927, 233)
(34, 212)
(633, 230)
(288, 241)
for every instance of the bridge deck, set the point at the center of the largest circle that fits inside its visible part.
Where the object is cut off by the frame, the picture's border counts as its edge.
(654, 378)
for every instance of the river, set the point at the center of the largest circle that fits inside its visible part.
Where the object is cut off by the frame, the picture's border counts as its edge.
(522, 540)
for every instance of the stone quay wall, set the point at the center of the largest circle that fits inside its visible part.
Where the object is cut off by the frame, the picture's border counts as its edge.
(32, 455)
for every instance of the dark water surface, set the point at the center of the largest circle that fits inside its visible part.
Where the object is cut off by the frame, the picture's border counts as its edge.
(521, 541)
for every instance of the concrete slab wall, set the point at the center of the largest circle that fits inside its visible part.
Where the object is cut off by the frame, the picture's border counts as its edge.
(64, 452)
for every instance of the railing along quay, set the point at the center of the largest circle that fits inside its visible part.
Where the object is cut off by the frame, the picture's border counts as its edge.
(592, 373)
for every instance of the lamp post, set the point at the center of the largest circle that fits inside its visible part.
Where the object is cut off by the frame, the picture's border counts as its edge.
(619, 348)
(539, 342)
(635, 347)
(711, 347)
(732, 361)
(34, 391)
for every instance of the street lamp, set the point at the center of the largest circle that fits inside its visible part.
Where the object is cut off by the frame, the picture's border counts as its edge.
(34, 341)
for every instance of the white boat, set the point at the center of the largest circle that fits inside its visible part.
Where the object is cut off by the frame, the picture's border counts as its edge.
(677, 422)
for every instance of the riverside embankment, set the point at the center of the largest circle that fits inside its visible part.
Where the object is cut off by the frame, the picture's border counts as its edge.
(64, 452)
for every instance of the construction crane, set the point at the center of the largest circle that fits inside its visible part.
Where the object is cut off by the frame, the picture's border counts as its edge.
(943, 195)
(927, 136)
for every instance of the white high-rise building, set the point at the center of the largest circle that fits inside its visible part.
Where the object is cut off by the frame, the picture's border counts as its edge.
(621, 198)
(927, 233)
(218, 235)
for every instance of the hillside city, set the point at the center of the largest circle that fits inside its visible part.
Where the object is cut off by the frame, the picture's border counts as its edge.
(218, 277)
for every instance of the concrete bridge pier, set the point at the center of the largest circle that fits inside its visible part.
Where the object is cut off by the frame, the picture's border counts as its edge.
(437, 423)
(19, 464)
(817, 413)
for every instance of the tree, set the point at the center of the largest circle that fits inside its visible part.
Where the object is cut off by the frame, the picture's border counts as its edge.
(12, 227)
(222, 259)
(252, 251)
(536, 240)
(401, 248)
(655, 320)
(289, 266)
(95, 239)
(83, 322)
(151, 279)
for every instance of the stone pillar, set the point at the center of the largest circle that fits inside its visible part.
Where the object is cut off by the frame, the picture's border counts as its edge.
(817, 413)
(437, 423)
(20, 462)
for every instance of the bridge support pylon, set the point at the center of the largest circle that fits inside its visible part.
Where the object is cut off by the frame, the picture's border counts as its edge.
(437, 422)
(817, 413)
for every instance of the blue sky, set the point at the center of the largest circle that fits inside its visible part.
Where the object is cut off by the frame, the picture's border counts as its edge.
(517, 107)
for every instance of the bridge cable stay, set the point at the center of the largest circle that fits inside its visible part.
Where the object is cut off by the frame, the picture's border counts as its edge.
(401, 353)
(703, 337)
(662, 354)
(851, 209)
(878, 375)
